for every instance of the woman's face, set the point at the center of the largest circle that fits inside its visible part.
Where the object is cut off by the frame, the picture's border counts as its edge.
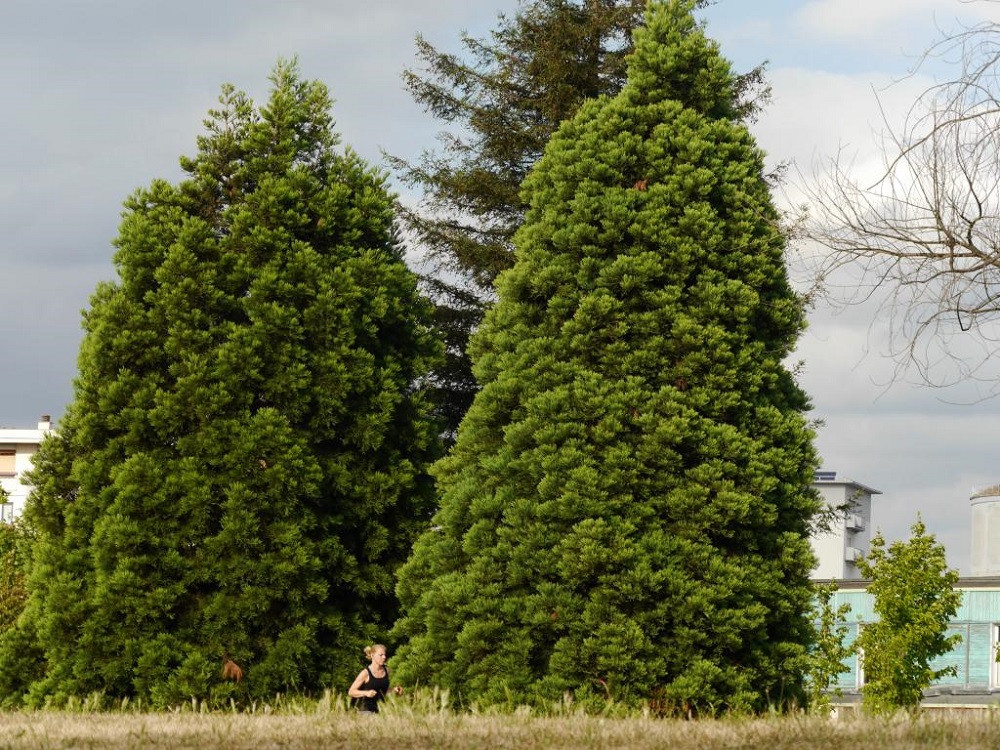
(378, 656)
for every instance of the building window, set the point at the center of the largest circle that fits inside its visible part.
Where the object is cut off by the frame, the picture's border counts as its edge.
(7, 462)
(6, 512)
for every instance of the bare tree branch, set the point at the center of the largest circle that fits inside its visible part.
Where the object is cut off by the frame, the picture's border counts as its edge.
(925, 235)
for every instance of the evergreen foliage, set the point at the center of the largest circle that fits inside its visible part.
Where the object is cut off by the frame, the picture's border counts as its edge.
(625, 512)
(829, 652)
(13, 591)
(915, 600)
(243, 466)
(501, 103)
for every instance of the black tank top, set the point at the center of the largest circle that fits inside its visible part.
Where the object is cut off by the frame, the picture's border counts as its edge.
(379, 684)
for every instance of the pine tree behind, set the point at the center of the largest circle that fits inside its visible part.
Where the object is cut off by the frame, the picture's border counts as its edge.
(243, 465)
(626, 510)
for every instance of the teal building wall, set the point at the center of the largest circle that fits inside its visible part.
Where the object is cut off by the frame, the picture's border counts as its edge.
(977, 621)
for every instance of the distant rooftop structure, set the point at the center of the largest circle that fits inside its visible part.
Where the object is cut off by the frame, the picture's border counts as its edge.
(823, 477)
(992, 491)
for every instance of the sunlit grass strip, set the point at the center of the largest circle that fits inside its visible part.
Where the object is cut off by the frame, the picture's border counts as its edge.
(302, 725)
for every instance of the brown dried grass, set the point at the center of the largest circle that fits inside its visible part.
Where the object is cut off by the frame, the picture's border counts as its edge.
(329, 725)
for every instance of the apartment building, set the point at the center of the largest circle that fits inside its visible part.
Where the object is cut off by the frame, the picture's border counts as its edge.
(849, 538)
(17, 448)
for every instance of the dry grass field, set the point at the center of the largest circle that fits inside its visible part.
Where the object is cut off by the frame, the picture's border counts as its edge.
(324, 725)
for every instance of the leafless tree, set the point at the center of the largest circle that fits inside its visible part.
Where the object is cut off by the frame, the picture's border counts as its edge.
(924, 237)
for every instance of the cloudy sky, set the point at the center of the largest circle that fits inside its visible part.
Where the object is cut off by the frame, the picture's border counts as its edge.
(101, 97)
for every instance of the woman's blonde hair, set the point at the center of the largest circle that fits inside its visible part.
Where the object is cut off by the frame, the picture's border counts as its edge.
(369, 650)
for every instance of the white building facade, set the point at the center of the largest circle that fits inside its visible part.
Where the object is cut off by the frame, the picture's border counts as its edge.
(839, 549)
(17, 450)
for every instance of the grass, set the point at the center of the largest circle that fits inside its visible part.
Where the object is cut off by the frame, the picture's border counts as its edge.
(329, 724)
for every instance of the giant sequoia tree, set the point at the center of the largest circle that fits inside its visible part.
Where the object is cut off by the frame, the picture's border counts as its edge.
(501, 102)
(626, 509)
(242, 468)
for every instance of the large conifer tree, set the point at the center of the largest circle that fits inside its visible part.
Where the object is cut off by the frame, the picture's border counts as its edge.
(501, 101)
(242, 468)
(625, 512)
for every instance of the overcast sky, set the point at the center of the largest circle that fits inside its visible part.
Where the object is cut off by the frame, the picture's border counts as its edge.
(101, 97)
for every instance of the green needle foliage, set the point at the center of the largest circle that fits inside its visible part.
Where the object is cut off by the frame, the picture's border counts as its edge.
(13, 592)
(509, 96)
(243, 466)
(625, 513)
(499, 102)
(505, 100)
(915, 600)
